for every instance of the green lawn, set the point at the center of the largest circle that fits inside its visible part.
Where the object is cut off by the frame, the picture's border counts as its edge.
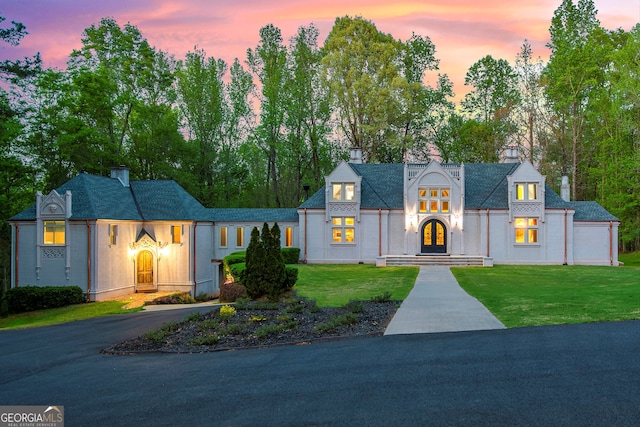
(517, 295)
(630, 259)
(548, 295)
(335, 285)
(66, 314)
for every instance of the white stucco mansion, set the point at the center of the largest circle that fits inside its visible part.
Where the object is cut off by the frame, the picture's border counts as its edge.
(112, 236)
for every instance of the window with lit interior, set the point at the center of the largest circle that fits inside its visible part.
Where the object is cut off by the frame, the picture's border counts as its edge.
(526, 191)
(526, 230)
(240, 237)
(113, 234)
(176, 234)
(343, 229)
(223, 237)
(288, 237)
(343, 191)
(54, 233)
(433, 200)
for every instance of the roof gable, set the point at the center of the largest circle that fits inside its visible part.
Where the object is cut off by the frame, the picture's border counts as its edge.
(381, 186)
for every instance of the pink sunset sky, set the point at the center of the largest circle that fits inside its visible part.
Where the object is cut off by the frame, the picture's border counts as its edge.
(463, 31)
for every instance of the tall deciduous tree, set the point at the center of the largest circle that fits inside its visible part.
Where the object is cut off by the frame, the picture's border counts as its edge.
(117, 80)
(203, 106)
(307, 154)
(16, 177)
(531, 114)
(574, 69)
(361, 66)
(422, 107)
(491, 101)
(615, 110)
(268, 61)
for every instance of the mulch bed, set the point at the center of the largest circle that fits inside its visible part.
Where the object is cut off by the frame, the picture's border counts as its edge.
(262, 324)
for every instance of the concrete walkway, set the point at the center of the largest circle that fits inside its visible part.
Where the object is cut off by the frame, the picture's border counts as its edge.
(437, 303)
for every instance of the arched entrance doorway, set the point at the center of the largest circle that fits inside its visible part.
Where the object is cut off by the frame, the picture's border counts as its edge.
(434, 237)
(144, 272)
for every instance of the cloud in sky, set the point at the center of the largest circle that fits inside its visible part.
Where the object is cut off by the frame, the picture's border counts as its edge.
(463, 31)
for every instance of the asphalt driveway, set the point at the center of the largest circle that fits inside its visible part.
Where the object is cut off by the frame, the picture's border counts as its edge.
(561, 375)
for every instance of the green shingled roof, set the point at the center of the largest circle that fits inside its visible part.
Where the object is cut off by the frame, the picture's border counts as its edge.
(254, 215)
(166, 200)
(486, 185)
(381, 187)
(97, 197)
(591, 211)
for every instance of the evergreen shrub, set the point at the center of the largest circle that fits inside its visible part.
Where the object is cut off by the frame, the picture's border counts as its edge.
(30, 298)
(291, 277)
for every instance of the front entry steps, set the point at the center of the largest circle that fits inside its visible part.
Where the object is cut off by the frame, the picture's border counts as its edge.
(426, 260)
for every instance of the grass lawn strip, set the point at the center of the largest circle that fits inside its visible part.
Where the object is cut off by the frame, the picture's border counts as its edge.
(335, 285)
(549, 295)
(54, 316)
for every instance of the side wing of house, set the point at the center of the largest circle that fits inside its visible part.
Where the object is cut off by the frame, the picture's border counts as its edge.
(595, 235)
(95, 233)
(232, 228)
(513, 217)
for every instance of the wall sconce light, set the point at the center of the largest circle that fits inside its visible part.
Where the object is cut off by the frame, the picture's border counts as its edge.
(162, 249)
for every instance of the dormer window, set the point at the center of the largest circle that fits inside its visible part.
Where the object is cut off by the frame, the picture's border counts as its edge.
(343, 191)
(527, 191)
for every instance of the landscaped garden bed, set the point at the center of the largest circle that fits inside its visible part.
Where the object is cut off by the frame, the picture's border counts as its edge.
(293, 320)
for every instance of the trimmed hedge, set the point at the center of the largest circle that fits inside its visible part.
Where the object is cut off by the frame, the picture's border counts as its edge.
(290, 255)
(237, 272)
(234, 258)
(30, 298)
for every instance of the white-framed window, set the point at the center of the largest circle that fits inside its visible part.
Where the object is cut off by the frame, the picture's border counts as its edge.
(240, 237)
(223, 237)
(526, 230)
(343, 229)
(526, 191)
(343, 191)
(434, 200)
(113, 234)
(288, 237)
(54, 233)
(176, 234)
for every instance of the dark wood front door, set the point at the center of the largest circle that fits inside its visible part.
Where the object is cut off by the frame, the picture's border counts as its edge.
(434, 237)
(144, 272)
